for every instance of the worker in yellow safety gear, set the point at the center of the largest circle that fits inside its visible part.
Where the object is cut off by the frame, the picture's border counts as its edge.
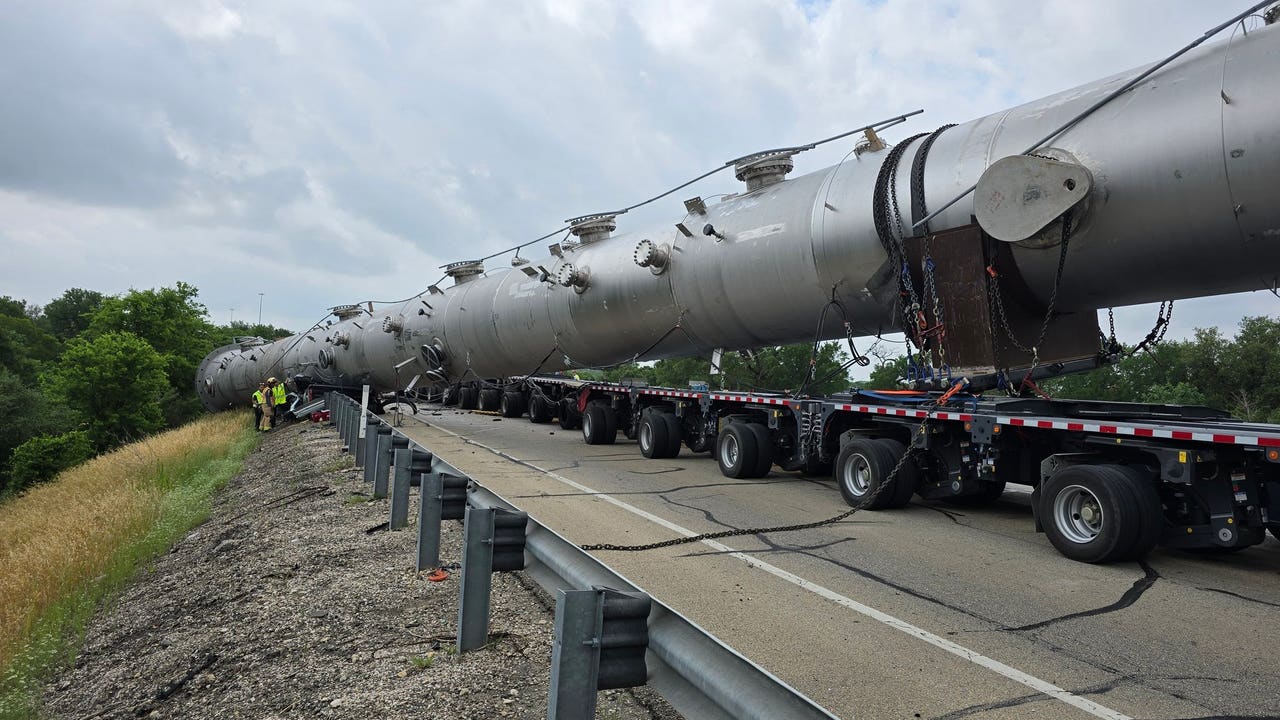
(263, 402)
(278, 399)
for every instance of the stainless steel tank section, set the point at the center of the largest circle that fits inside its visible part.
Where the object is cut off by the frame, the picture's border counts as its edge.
(1184, 167)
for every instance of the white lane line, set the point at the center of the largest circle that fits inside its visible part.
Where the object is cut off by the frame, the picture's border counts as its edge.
(1014, 674)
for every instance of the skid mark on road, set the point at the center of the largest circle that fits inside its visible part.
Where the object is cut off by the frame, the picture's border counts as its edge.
(1041, 686)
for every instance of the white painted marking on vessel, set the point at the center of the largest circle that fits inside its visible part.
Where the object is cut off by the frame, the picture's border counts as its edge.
(760, 232)
(1042, 686)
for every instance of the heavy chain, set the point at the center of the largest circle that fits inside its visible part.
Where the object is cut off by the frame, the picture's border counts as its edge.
(1164, 316)
(889, 227)
(921, 430)
(998, 299)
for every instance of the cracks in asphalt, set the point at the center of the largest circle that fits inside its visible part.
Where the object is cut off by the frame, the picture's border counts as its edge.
(655, 472)
(1238, 595)
(770, 551)
(778, 547)
(953, 516)
(706, 514)
(972, 710)
(1130, 596)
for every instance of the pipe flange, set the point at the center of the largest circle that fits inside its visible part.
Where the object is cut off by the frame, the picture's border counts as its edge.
(651, 255)
(569, 276)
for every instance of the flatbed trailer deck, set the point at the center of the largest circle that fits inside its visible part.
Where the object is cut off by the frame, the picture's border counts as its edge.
(1111, 480)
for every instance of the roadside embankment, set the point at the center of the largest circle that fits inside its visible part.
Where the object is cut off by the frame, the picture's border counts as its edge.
(292, 602)
(69, 544)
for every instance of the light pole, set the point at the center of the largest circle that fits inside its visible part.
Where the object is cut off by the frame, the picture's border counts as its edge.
(259, 308)
(232, 321)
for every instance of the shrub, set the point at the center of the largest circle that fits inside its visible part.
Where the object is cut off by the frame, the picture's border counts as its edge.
(44, 456)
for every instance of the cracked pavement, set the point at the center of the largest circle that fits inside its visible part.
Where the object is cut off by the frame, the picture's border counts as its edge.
(1176, 636)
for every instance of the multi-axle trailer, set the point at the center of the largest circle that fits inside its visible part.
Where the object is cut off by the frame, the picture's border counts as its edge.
(991, 244)
(1111, 480)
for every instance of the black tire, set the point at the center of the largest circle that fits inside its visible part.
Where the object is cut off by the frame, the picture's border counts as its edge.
(1150, 511)
(654, 435)
(862, 468)
(599, 426)
(738, 451)
(490, 399)
(764, 450)
(908, 477)
(1090, 513)
(511, 405)
(568, 415)
(675, 431)
(449, 396)
(990, 492)
(467, 398)
(1275, 531)
(540, 410)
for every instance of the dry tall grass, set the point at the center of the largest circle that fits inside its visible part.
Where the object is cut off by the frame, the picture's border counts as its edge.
(70, 533)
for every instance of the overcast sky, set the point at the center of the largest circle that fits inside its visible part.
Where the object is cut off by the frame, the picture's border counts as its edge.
(323, 152)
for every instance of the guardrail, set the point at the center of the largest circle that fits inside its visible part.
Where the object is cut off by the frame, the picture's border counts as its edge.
(600, 641)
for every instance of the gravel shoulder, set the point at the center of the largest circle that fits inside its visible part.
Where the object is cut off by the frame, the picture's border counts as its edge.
(282, 605)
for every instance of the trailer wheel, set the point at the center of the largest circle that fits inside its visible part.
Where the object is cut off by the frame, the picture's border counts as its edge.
(1091, 513)
(512, 405)
(764, 450)
(1150, 511)
(862, 467)
(490, 399)
(540, 409)
(654, 436)
(570, 418)
(674, 434)
(467, 398)
(738, 451)
(908, 477)
(599, 426)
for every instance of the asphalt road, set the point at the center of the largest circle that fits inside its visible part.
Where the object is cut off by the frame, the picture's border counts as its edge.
(931, 611)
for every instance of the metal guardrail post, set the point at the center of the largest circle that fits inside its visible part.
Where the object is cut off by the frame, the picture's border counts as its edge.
(380, 460)
(349, 419)
(575, 657)
(370, 451)
(477, 579)
(360, 436)
(430, 499)
(408, 462)
(443, 497)
(495, 541)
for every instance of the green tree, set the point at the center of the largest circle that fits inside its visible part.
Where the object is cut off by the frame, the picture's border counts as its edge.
(114, 382)
(630, 371)
(24, 414)
(12, 307)
(888, 374)
(69, 314)
(224, 334)
(175, 325)
(678, 372)
(24, 347)
(44, 456)
(785, 369)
